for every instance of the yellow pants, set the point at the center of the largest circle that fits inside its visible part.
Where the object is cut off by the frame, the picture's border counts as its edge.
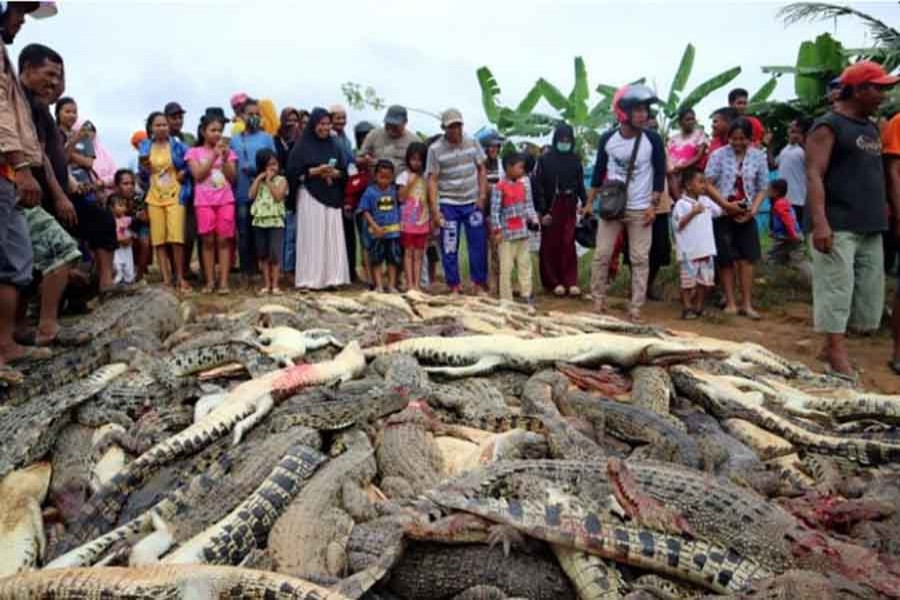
(514, 253)
(166, 224)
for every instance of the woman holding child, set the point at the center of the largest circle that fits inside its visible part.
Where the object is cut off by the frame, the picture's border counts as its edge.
(316, 173)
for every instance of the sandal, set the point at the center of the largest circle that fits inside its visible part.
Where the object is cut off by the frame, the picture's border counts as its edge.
(208, 289)
(276, 292)
(689, 315)
(559, 291)
(263, 292)
(224, 291)
(750, 314)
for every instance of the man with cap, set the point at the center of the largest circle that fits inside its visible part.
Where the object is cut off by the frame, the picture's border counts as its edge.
(389, 142)
(457, 189)
(175, 116)
(20, 151)
(846, 198)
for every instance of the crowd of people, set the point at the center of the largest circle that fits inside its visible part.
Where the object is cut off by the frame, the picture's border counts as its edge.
(293, 197)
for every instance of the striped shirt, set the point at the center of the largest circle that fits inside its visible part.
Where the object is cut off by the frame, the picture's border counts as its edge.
(457, 169)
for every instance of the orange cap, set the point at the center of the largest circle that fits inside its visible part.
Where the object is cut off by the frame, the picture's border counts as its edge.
(867, 71)
(137, 137)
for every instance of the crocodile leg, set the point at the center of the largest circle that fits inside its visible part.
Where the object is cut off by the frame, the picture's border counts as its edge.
(147, 552)
(263, 405)
(484, 366)
(87, 554)
(641, 507)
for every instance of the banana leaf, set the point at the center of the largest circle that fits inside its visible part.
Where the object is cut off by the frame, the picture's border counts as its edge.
(765, 91)
(528, 125)
(681, 77)
(811, 71)
(553, 96)
(606, 90)
(490, 89)
(709, 86)
(530, 101)
(578, 99)
(805, 86)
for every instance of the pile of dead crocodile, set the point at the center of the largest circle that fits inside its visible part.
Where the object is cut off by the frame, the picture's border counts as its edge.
(436, 448)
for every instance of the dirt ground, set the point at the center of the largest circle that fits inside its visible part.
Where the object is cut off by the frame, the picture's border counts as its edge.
(785, 329)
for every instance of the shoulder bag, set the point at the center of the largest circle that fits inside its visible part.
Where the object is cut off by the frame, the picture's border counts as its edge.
(614, 194)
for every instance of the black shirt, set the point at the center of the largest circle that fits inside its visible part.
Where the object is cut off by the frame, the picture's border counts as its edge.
(52, 145)
(855, 196)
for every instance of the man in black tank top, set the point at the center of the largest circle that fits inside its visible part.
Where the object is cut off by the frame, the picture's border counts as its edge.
(848, 213)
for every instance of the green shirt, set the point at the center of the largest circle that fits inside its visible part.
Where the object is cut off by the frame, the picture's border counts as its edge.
(266, 211)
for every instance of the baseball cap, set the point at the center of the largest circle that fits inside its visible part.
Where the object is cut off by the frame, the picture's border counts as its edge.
(396, 115)
(451, 116)
(867, 71)
(173, 108)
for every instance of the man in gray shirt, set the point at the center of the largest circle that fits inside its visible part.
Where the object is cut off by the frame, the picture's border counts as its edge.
(389, 142)
(791, 165)
(457, 190)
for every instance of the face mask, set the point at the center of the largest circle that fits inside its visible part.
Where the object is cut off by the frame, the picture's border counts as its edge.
(253, 122)
(564, 146)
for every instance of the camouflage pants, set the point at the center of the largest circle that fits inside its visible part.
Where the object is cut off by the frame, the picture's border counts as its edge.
(52, 245)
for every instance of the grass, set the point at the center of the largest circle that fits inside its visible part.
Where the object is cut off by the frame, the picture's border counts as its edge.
(775, 286)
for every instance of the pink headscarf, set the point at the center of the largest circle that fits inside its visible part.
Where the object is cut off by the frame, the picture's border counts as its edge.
(104, 164)
(238, 100)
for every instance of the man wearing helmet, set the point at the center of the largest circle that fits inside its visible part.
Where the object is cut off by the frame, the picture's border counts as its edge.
(491, 141)
(615, 151)
(20, 151)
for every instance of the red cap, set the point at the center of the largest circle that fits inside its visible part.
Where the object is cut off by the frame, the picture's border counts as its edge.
(866, 71)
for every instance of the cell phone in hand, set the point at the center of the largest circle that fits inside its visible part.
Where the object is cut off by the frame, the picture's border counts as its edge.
(332, 162)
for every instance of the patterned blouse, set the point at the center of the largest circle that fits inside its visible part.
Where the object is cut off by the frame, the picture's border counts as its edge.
(722, 171)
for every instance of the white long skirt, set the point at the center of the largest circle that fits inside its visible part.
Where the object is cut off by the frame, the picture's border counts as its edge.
(321, 249)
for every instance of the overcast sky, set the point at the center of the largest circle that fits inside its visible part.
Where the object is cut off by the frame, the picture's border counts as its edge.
(126, 58)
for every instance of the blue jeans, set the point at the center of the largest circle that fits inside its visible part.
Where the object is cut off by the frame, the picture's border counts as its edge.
(289, 256)
(469, 217)
(246, 247)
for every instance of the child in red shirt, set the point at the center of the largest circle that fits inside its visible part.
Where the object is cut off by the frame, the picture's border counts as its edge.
(358, 180)
(787, 248)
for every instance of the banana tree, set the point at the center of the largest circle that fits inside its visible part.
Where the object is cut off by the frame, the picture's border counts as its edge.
(519, 121)
(887, 39)
(677, 100)
(818, 62)
(576, 110)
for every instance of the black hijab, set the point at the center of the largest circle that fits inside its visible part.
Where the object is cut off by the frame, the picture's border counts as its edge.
(312, 151)
(558, 172)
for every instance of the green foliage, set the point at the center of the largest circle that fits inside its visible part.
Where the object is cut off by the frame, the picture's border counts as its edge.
(359, 97)
(763, 93)
(676, 100)
(887, 48)
(574, 108)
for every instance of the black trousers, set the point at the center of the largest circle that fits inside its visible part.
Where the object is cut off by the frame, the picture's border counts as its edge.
(350, 240)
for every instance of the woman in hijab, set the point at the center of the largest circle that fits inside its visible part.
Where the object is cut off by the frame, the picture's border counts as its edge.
(316, 172)
(558, 192)
(284, 143)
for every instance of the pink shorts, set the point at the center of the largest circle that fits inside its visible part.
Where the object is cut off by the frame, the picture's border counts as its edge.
(216, 219)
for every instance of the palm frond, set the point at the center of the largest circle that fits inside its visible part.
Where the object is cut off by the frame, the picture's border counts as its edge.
(818, 11)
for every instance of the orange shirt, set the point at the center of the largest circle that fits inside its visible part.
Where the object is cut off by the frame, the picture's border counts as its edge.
(890, 137)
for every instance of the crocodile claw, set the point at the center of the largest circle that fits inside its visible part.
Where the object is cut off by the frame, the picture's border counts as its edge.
(505, 535)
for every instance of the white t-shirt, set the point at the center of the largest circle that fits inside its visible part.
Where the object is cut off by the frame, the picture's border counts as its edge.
(697, 239)
(792, 168)
(640, 190)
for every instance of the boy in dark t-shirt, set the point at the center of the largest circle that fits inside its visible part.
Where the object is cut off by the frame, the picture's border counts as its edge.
(381, 209)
